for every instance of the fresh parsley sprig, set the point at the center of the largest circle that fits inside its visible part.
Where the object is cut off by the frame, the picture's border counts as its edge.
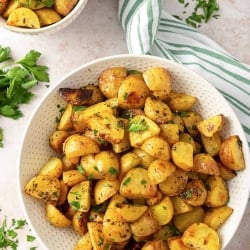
(17, 78)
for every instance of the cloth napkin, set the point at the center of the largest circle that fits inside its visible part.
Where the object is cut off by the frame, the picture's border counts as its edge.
(151, 30)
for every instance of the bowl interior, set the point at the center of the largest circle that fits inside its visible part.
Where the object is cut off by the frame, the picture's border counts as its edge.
(64, 22)
(35, 149)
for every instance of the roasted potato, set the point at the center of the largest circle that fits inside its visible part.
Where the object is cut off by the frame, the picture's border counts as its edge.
(170, 132)
(63, 7)
(176, 243)
(191, 119)
(180, 206)
(72, 177)
(57, 139)
(79, 222)
(52, 167)
(32, 4)
(83, 243)
(47, 16)
(3, 6)
(155, 245)
(132, 212)
(12, 5)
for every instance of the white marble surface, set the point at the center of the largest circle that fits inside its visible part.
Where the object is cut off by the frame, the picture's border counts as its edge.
(97, 33)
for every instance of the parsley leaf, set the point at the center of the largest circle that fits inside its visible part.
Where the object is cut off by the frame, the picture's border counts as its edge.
(137, 125)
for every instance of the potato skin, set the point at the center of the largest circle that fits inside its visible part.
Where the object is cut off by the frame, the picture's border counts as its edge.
(63, 7)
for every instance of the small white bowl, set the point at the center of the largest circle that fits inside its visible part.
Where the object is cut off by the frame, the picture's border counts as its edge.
(64, 22)
(35, 149)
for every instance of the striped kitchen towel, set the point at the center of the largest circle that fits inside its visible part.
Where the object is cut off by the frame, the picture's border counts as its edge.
(151, 30)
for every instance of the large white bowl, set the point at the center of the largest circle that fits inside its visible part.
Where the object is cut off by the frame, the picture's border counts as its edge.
(64, 22)
(35, 149)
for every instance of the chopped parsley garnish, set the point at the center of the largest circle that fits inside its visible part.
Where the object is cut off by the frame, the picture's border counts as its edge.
(126, 182)
(78, 108)
(143, 182)
(16, 80)
(137, 125)
(113, 171)
(80, 169)
(75, 205)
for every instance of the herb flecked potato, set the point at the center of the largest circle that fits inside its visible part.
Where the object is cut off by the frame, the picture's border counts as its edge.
(135, 167)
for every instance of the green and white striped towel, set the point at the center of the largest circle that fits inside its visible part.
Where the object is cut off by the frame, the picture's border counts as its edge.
(151, 30)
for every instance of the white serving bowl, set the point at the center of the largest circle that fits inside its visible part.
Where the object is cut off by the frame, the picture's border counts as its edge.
(35, 149)
(50, 29)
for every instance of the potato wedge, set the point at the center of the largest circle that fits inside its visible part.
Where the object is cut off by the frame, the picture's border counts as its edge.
(132, 212)
(176, 243)
(155, 245)
(231, 154)
(226, 173)
(63, 193)
(23, 17)
(72, 177)
(170, 132)
(83, 243)
(180, 206)
(201, 236)
(79, 196)
(63, 7)
(12, 5)
(191, 119)
(211, 125)
(159, 82)
(53, 167)
(212, 144)
(47, 16)
(3, 6)
(146, 159)
(56, 217)
(44, 187)
(65, 122)
(57, 139)
(79, 222)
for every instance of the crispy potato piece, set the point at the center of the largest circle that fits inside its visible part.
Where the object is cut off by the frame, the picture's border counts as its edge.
(110, 81)
(12, 5)
(63, 7)
(191, 119)
(44, 187)
(159, 170)
(136, 185)
(79, 196)
(218, 193)
(3, 6)
(215, 217)
(32, 4)
(163, 211)
(170, 132)
(182, 155)
(115, 228)
(157, 147)
(185, 137)
(63, 193)
(180, 101)
(146, 159)
(132, 212)
(155, 245)
(154, 200)
(211, 125)
(180, 206)
(176, 243)
(184, 220)
(157, 110)
(194, 193)
(140, 129)
(79, 145)
(206, 164)
(104, 189)
(56, 217)
(159, 82)
(212, 144)
(57, 139)
(65, 122)
(83, 243)
(177, 119)
(201, 236)
(47, 16)
(231, 154)
(79, 222)
(23, 17)
(132, 93)
(67, 164)
(226, 173)
(52, 167)
(72, 177)
(98, 241)
(145, 225)
(175, 183)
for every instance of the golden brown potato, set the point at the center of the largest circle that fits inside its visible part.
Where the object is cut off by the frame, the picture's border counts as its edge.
(79, 222)
(132, 212)
(44, 187)
(47, 16)
(177, 119)
(226, 173)
(145, 225)
(155, 245)
(12, 5)
(175, 183)
(140, 129)
(201, 236)
(217, 193)
(56, 217)
(83, 243)
(79, 145)
(79, 196)
(194, 193)
(180, 206)
(57, 139)
(3, 6)
(156, 199)
(104, 189)
(146, 159)
(115, 228)
(163, 211)
(170, 132)
(63, 7)
(159, 82)
(110, 81)
(176, 243)
(63, 193)
(180, 101)
(132, 93)
(182, 155)
(212, 144)
(157, 147)
(136, 185)
(206, 164)
(32, 4)
(65, 122)
(211, 125)
(52, 167)
(184, 220)
(157, 110)
(23, 17)
(191, 119)
(159, 170)
(73, 177)
(185, 137)
(231, 154)
(215, 217)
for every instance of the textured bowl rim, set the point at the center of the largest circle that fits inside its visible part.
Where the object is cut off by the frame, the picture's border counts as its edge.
(123, 56)
(64, 22)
